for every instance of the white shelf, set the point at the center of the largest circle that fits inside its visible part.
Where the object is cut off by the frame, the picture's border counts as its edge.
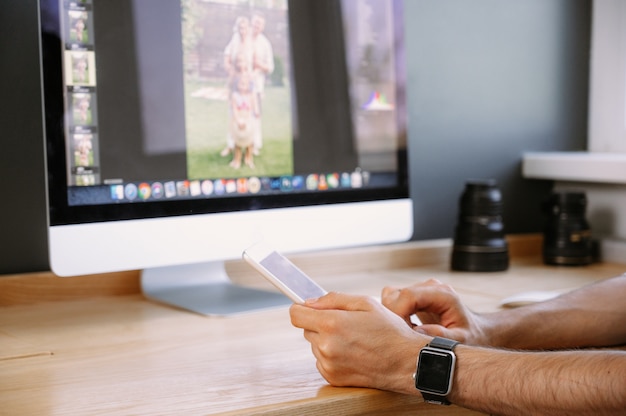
(575, 166)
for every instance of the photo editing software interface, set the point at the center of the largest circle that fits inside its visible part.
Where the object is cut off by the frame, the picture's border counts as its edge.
(200, 99)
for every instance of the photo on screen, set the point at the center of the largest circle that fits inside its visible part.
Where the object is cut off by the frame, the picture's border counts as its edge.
(237, 90)
(80, 68)
(79, 27)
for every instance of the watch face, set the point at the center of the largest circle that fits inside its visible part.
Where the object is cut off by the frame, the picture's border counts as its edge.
(436, 368)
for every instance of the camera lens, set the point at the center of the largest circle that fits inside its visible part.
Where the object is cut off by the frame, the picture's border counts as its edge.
(567, 236)
(479, 242)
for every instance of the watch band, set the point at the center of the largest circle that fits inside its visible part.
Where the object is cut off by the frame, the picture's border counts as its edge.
(444, 344)
(435, 399)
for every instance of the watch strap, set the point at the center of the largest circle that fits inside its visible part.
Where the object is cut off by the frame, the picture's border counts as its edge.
(443, 343)
(435, 399)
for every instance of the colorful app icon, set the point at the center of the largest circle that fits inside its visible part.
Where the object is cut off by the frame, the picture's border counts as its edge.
(231, 186)
(242, 186)
(144, 191)
(332, 179)
(312, 182)
(157, 190)
(322, 185)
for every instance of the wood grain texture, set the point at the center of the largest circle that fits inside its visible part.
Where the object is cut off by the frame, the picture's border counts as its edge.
(93, 348)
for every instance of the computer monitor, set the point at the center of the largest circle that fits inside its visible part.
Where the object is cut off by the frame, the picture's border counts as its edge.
(180, 132)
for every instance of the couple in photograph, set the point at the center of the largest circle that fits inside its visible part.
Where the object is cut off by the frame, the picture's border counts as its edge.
(248, 60)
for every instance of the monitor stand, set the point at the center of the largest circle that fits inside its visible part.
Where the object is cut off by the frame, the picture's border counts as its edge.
(205, 288)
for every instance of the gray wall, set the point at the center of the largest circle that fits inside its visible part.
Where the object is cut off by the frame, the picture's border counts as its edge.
(488, 79)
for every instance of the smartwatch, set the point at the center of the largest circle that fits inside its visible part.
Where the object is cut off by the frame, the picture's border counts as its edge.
(435, 370)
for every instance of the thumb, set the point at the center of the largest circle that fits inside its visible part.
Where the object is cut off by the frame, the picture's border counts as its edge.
(433, 330)
(340, 301)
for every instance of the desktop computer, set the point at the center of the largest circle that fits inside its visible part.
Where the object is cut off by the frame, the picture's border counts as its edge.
(178, 133)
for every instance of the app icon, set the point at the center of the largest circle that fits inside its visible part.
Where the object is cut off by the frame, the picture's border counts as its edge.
(231, 186)
(182, 188)
(117, 192)
(207, 187)
(322, 185)
(144, 191)
(312, 182)
(276, 184)
(170, 189)
(254, 185)
(219, 186)
(333, 180)
(266, 184)
(356, 179)
(194, 188)
(285, 184)
(130, 191)
(157, 190)
(297, 182)
(242, 186)
(345, 180)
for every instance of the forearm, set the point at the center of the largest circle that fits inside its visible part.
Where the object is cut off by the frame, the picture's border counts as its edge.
(540, 383)
(592, 316)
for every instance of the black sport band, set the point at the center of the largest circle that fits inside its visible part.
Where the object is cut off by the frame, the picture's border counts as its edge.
(443, 343)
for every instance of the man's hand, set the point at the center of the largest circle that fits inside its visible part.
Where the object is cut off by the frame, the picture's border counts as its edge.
(359, 342)
(439, 309)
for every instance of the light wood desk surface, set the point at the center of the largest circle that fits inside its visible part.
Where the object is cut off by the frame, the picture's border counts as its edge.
(94, 345)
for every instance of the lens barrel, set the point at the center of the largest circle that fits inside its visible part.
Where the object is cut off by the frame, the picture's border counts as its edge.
(479, 240)
(567, 235)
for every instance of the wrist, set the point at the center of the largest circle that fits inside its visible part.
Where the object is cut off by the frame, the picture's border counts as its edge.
(401, 378)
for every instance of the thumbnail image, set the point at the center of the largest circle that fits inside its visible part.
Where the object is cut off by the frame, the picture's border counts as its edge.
(237, 93)
(85, 180)
(82, 114)
(80, 68)
(83, 149)
(78, 26)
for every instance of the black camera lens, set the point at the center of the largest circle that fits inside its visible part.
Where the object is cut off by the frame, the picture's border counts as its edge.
(479, 241)
(567, 236)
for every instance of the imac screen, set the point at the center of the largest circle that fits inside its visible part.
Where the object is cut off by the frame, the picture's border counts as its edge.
(166, 109)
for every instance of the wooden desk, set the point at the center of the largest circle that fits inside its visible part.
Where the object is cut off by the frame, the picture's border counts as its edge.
(94, 345)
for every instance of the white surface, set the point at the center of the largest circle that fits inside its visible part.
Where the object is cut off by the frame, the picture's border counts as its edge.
(607, 89)
(140, 244)
(575, 166)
